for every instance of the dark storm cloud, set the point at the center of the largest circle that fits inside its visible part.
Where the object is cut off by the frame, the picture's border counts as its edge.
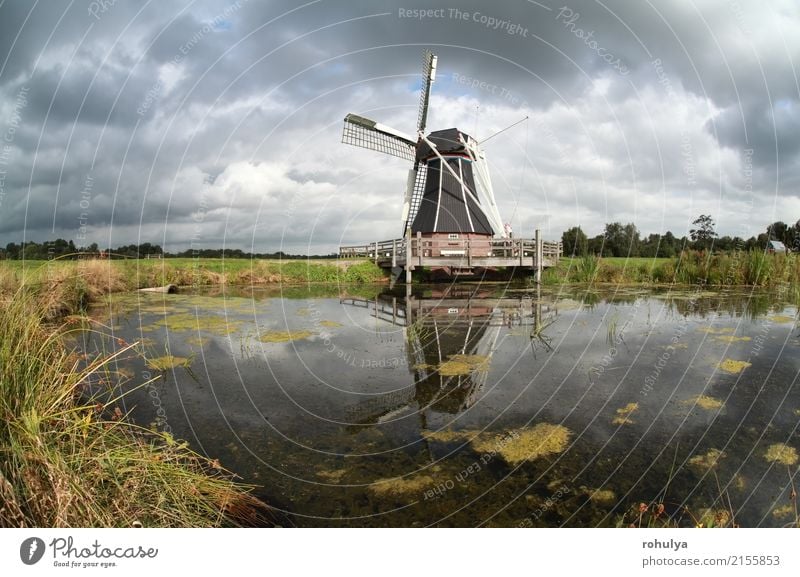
(204, 122)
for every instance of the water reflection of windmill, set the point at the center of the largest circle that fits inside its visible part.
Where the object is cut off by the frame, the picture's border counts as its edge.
(451, 337)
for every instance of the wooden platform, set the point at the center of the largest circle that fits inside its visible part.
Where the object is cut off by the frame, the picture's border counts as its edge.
(458, 256)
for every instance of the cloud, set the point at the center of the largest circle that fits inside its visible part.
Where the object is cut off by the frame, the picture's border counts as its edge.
(220, 122)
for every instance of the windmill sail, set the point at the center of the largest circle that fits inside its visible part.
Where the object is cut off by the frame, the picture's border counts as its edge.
(366, 133)
(415, 188)
(428, 78)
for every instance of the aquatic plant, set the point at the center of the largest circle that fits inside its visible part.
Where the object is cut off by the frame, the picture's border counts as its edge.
(713, 518)
(781, 453)
(401, 486)
(623, 416)
(704, 402)
(706, 461)
(200, 321)
(756, 267)
(283, 336)
(753, 268)
(732, 339)
(586, 268)
(167, 362)
(527, 444)
(458, 365)
(602, 496)
(449, 435)
(734, 367)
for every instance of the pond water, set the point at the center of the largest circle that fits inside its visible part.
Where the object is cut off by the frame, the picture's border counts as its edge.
(476, 405)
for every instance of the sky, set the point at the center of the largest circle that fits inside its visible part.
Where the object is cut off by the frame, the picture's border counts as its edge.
(216, 123)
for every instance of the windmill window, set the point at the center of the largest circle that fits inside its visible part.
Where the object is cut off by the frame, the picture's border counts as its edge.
(452, 236)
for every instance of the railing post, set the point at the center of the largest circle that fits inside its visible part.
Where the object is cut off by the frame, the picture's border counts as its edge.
(376, 252)
(394, 253)
(408, 261)
(469, 254)
(419, 246)
(538, 258)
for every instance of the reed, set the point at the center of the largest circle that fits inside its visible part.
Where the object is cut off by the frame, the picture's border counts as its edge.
(68, 459)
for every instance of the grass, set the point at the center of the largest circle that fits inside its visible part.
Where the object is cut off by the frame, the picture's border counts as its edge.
(65, 287)
(90, 278)
(753, 268)
(69, 458)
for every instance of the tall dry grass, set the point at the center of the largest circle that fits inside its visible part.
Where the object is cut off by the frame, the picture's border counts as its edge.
(68, 461)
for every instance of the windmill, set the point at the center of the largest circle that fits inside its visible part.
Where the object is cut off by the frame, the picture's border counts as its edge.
(449, 190)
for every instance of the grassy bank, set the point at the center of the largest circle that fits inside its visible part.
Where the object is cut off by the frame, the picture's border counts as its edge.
(68, 460)
(65, 287)
(753, 268)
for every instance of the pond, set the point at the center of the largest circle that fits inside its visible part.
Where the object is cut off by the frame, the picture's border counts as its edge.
(476, 405)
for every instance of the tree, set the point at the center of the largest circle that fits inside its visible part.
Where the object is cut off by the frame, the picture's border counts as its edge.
(796, 237)
(656, 245)
(781, 231)
(596, 245)
(621, 240)
(703, 234)
(632, 239)
(614, 239)
(575, 242)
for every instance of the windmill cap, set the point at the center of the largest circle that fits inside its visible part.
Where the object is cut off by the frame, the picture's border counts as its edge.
(448, 141)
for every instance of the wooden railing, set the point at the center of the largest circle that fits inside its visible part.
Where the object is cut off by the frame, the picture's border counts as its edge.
(505, 249)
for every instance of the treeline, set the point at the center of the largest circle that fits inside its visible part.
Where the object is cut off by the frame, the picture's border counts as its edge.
(624, 240)
(66, 249)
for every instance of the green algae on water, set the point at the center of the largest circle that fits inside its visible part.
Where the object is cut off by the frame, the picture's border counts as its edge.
(602, 496)
(783, 511)
(197, 341)
(734, 367)
(781, 453)
(704, 402)
(527, 444)
(284, 336)
(449, 436)
(705, 462)
(167, 362)
(184, 322)
(332, 476)
(460, 365)
(623, 416)
(400, 486)
(732, 339)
